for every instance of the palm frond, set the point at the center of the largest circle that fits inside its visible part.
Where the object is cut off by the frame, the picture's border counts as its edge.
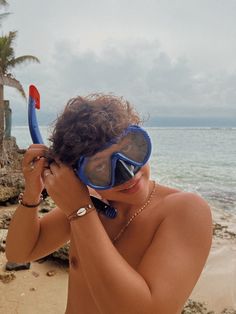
(12, 82)
(22, 59)
(3, 2)
(8, 60)
(11, 37)
(6, 50)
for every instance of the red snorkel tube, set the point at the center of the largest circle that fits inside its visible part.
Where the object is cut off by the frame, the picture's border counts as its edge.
(34, 103)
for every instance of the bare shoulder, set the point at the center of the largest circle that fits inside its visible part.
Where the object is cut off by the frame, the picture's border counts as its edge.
(189, 205)
(190, 215)
(174, 260)
(176, 203)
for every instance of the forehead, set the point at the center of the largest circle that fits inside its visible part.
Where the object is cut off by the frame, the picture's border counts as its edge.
(110, 149)
(133, 134)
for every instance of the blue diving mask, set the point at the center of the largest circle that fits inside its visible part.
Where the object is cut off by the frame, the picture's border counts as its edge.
(118, 162)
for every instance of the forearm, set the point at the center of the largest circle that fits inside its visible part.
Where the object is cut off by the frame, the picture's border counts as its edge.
(24, 229)
(22, 234)
(115, 285)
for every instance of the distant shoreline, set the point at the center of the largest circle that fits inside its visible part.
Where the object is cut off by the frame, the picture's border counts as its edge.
(149, 121)
(157, 127)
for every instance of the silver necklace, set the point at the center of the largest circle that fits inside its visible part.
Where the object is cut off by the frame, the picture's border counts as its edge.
(135, 214)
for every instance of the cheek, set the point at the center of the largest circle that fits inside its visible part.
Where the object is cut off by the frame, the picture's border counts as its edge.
(108, 194)
(104, 194)
(146, 170)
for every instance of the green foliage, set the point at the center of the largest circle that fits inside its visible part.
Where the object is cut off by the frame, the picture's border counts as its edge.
(7, 54)
(6, 51)
(8, 61)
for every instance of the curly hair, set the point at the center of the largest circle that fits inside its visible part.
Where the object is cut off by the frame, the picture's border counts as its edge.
(87, 124)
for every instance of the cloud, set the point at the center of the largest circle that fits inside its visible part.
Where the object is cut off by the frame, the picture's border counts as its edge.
(140, 71)
(202, 31)
(168, 59)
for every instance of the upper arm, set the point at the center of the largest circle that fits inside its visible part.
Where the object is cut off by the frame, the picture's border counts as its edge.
(173, 263)
(54, 232)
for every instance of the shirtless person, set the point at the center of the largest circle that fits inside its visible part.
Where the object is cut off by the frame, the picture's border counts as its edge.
(145, 256)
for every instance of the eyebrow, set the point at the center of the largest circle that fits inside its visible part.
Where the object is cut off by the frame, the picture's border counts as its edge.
(96, 158)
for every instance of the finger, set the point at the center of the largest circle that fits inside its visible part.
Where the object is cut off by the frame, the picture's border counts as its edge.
(35, 165)
(46, 163)
(39, 165)
(54, 167)
(37, 146)
(46, 174)
(33, 153)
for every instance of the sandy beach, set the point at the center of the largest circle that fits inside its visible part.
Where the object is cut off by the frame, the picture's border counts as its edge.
(33, 291)
(43, 287)
(217, 284)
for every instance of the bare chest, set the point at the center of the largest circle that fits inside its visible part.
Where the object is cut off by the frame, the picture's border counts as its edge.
(132, 246)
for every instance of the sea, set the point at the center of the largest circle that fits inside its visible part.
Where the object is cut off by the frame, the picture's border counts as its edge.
(200, 160)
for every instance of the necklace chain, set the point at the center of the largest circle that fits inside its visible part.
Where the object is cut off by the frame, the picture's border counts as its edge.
(135, 214)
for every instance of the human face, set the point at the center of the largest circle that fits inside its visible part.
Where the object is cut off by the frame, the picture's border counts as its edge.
(118, 162)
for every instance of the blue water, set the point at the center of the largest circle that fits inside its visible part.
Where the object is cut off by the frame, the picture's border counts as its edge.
(200, 160)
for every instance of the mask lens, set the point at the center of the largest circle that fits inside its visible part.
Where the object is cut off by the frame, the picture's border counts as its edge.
(98, 170)
(134, 146)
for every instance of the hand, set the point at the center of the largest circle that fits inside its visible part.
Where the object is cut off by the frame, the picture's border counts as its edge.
(32, 165)
(65, 188)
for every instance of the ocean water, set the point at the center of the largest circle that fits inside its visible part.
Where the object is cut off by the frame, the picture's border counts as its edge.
(201, 160)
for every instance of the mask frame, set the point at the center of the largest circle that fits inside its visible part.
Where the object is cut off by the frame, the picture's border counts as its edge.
(115, 157)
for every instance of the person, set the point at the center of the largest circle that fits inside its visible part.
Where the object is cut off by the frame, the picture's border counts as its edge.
(140, 253)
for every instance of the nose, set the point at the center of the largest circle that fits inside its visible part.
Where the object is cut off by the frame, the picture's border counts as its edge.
(128, 169)
(123, 172)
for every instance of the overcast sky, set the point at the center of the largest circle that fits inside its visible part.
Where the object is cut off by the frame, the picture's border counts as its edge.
(169, 58)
